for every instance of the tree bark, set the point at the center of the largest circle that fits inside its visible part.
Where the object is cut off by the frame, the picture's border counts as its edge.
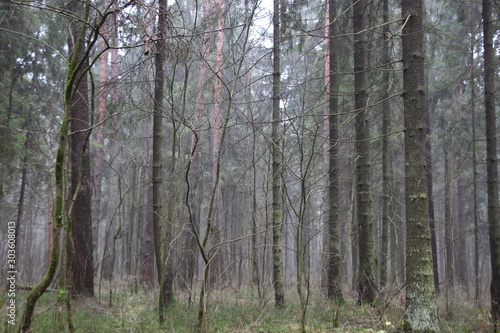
(448, 229)
(477, 272)
(387, 195)
(277, 165)
(165, 294)
(334, 277)
(60, 213)
(491, 158)
(81, 262)
(421, 310)
(432, 224)
(99, 138)
(367, 274)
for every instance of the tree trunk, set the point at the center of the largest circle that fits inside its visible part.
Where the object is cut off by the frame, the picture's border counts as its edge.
(334, 277)
(491, 158)
(218, 267)
(387, 195)
(421, 310)
(461, 236)
(477, 272)
(147, 249)
(99, 138)
(432, 226)
(448, 230)
(165, 293)
(367, 274)
(81, 263)
(277, 169)
(60, 213)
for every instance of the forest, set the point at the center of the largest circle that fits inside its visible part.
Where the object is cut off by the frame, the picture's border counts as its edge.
(249, 166)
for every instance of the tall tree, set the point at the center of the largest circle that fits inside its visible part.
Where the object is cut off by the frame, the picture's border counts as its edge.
(164, 278)
(60, 207)
(387, 206)
(99, 138)
(448, 226)
(477, 272)
(491, 158)
(367, 274)
(217, 270)
(421, 310)
(80, 259)
(277, 169)
(334, 262)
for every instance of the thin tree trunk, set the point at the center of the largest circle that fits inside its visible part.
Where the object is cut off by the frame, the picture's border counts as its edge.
(217, 269)
(277, 169)
(147, 249)
(477, 272)
(157, 179)
(448, 231)
(432, 225)
(387, 195)
(99, 138)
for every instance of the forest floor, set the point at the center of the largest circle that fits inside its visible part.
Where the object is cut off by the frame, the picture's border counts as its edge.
(241, 312)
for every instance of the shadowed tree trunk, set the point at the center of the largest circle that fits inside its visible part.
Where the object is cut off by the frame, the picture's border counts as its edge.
(491, 158)
(432, 226)
(334, 278)
(367, 274)
(387, 195)
(421, 310)
(448, 227)
(81, 261)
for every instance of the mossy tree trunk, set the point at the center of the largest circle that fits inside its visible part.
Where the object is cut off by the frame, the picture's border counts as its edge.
(60, 213)
(421, 310)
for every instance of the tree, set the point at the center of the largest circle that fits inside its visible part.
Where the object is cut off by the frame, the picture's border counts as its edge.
(491, 158)
(421, 310)
(277, 169)
(80, 257)
(60, 211)
(367, 271)
(165, 273)
(387, 195)
(334, 262)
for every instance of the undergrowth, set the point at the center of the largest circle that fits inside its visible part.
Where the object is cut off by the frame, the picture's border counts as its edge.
(238, 312)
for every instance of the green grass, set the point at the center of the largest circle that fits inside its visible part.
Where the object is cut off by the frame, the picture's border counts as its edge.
(237, 312)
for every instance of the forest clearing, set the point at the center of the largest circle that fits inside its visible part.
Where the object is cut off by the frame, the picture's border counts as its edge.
(249, 166)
